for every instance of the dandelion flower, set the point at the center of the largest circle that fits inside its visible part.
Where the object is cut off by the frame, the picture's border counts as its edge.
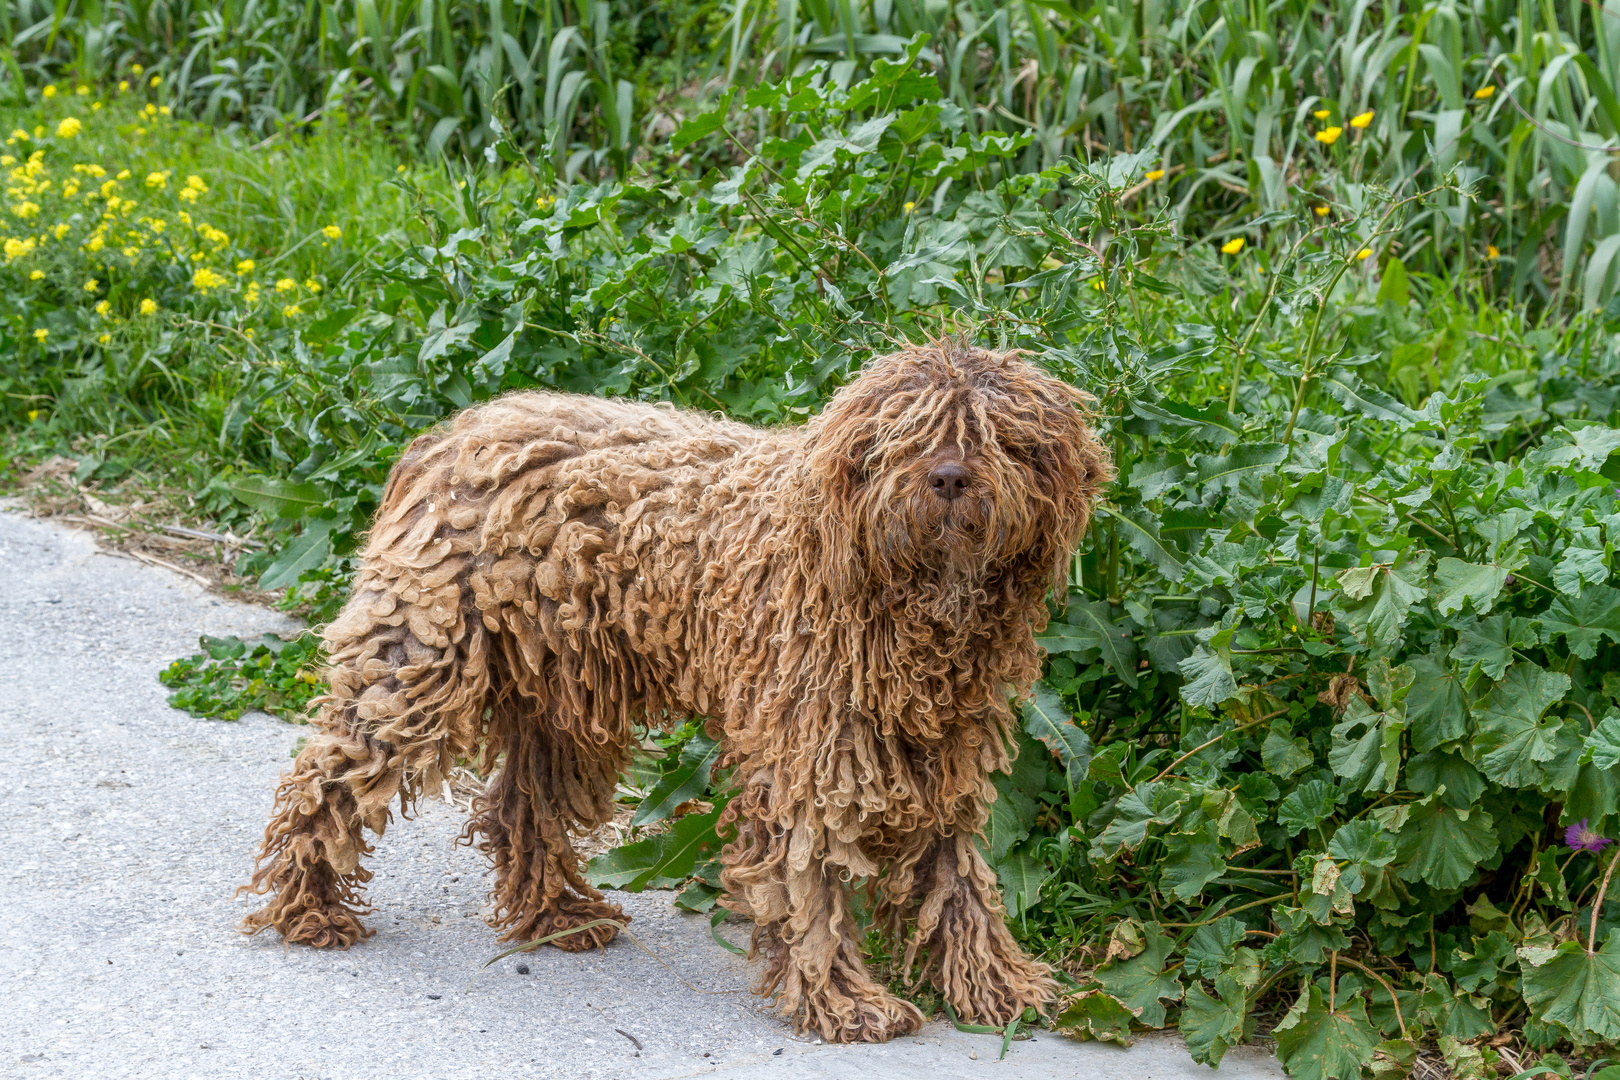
(92, 285)
(36, 275)
(41, 334)
(1361, 120)
(245, 266)
(1363, 253)
(205, 279)
(69, 127)
(332, 232)
(48, 93)
(1232, 246)
(1491, 252)
(104, 308)
(1155, 174)
(148, 306)
(1322, 114)
(286, 285)
(290, 310)
(1329, 136)
(1484, 92)
(1580, 837)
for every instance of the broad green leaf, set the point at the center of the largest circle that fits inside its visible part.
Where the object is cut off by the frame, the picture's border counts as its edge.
(658, 861)
(1515, 747)
(1458, 582)
(705, 123)
(1021, 874)
(1451, 1014)
(1150, 804)
(1306, 938)
(1427, 773)
(1098, 1015)
(1307, 806)
(1245, 458)
(1213, 947)
(1190, 864)
(1366, 747)
(1209, 678)
(1363, 841)
(1442, 846)
(1602, 746)
(1047, 720)
(1141, 532)
(308, 552)
(1211, 1026)
(685, 782)
(1491, 641)
(1314, 1043)
(1585, 620)
(1141, 983)
(1577, 991)
(1370, 402)
(1378, 599)
(1090, 625)
(1436, 710)
(1283, 753)
(278, 498)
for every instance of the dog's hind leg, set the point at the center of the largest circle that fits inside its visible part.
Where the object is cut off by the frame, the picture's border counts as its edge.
(400, 711)
(552, 783)
(972, 957)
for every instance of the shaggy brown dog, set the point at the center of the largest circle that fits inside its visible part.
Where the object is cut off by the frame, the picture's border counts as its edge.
(851, 603)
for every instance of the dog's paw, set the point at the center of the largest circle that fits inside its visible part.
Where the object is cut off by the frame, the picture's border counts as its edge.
(868, 1014)
(573, 919)
(1000, 994)
(319, 928)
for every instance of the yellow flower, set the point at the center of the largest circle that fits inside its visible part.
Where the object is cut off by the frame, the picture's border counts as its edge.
(1329, 136)
(1321, 211)
(25, 209)
(1491, 252)
(1155, 174)
(1484, 92)
(123, 85)
(94, 244)
(136, 69)
(205, 279)
(332, 232)
(33, 414)
(1361, 120)
(250, 295)
(1097, 283)
(82, 91)
(1322, 114)
(17, 249)
(104, 338)
(290, 310)
(1232, 246)
(70, 189)
(149, 306)
(131, 253)
(92, 285)
(248, 333)
(157, 180)
(104, 308)
(155, 80)
(19, 133)
(286, 285)
(95, 106)
(910, 206)
(399, 168)
(69, 127)
(48, 93)
(184, 217)
(312, 285)
(41, 334)
(123, 174)
(7, 161)
(36, 275)
(163, 110)
(245, 266)
(1363, 253)
(39, 131)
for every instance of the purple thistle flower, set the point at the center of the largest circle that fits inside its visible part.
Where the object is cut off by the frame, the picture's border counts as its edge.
(1579, 837)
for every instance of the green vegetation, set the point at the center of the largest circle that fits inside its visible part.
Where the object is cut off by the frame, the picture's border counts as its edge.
(1328, 728)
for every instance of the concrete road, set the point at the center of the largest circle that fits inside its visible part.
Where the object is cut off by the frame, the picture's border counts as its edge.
(126, 825)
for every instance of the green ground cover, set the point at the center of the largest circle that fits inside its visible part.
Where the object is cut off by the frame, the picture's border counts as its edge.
(1329, 731)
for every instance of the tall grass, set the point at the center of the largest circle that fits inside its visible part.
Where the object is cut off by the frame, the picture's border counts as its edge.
(1516, 99)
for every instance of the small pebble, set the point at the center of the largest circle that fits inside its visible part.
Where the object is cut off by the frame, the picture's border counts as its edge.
(523, 969)
(777, 1052)
(973, 1055)
(433, 997)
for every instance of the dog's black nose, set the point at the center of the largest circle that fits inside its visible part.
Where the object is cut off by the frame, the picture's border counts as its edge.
(949, 481)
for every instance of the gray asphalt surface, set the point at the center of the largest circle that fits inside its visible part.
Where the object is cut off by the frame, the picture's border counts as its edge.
(126, 825)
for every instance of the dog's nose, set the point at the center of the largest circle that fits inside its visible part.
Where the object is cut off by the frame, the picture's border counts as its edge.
(949, 481)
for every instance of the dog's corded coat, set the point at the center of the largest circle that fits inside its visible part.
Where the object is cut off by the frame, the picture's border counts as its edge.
(851, 603)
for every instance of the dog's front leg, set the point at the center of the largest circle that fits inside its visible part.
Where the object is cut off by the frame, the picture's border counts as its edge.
(808, 936)
(973, 958)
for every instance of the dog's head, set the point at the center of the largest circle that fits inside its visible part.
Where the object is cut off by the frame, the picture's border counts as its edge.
(943, 466)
